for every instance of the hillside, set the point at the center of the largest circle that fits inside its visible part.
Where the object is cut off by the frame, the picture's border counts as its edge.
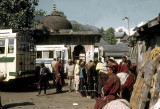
(80, 27)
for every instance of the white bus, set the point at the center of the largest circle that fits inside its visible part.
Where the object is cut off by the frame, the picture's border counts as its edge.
(46, 53)
(17, 55)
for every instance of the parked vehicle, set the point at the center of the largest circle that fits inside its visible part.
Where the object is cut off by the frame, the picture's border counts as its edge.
(46, 53)
(17, 55)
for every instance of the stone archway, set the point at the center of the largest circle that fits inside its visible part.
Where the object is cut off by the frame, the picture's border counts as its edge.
(79, 53)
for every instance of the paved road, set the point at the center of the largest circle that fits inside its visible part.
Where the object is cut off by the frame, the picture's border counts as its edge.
(29, 100)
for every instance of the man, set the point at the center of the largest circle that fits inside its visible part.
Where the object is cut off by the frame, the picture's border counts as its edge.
(123, 67)
(77, 76)
(59, 75)
(112, 62)
(70, 74)
(127, 87)
(83, 80)
(99, 66)
(92, 80)
(43, 79)
(110, 89)
(54, 70)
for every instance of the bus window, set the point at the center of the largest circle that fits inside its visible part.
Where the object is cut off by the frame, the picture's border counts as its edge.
(58, 54)
(45, 54)
(11, 46)
(50, 54)
(39, 54)
(2, 46)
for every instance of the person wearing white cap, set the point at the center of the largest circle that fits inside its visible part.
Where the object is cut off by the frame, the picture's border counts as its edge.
(112, 58)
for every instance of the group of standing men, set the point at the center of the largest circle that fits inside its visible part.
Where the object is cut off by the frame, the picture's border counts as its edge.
(82, 76)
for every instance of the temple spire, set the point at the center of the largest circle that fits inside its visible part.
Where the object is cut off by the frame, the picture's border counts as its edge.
(54, 9)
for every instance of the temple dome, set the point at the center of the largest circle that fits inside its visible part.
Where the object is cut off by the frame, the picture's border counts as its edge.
(54, 22)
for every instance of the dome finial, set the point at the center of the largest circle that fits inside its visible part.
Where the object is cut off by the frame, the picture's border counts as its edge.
(54, 9)
(54, 6)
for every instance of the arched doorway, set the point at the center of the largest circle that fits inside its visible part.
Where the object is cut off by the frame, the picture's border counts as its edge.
(79, 53)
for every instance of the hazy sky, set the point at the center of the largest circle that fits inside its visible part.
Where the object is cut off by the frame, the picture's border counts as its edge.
(105, 13)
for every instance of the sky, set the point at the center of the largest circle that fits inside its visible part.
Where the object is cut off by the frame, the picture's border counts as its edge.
(105, 13)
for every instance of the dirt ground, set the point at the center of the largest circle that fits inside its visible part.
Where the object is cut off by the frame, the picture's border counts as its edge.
(29, 100)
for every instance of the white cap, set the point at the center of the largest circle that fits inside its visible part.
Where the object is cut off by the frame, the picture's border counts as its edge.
(112, 58)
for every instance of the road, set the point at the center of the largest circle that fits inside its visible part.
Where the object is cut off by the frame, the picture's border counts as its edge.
(29, 100)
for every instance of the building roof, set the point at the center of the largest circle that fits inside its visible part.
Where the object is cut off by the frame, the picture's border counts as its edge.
(54, 22)
(125, 38)
(117, 47)
(119, 34)
(145, 30)
(101, 43)
(151, 24)
(106, 54)
(116, 50)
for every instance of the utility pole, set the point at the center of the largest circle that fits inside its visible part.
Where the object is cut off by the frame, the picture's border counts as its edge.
(126, 18)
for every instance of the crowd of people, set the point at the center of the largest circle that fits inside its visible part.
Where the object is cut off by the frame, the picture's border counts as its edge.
(103, 80)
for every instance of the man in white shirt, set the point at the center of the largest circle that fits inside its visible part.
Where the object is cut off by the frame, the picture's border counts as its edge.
(70, 74)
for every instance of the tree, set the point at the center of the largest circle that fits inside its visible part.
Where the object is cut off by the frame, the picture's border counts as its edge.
(61, 13)
(17, 14)
(110, 37)
(101, 31)
(39, 13)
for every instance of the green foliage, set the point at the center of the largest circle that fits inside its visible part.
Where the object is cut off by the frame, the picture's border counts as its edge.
(39, 13)
(78, 27)
(17, 14)
(110, 37)
(101, 31)
(61, 13)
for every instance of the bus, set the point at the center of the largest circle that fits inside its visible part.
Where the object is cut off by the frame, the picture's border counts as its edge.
(17, 54)
(46, 53)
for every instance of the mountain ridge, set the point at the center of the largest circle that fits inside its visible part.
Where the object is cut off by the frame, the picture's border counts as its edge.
(85, 26)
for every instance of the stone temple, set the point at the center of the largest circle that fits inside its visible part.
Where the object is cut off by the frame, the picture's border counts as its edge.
(62, 41)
